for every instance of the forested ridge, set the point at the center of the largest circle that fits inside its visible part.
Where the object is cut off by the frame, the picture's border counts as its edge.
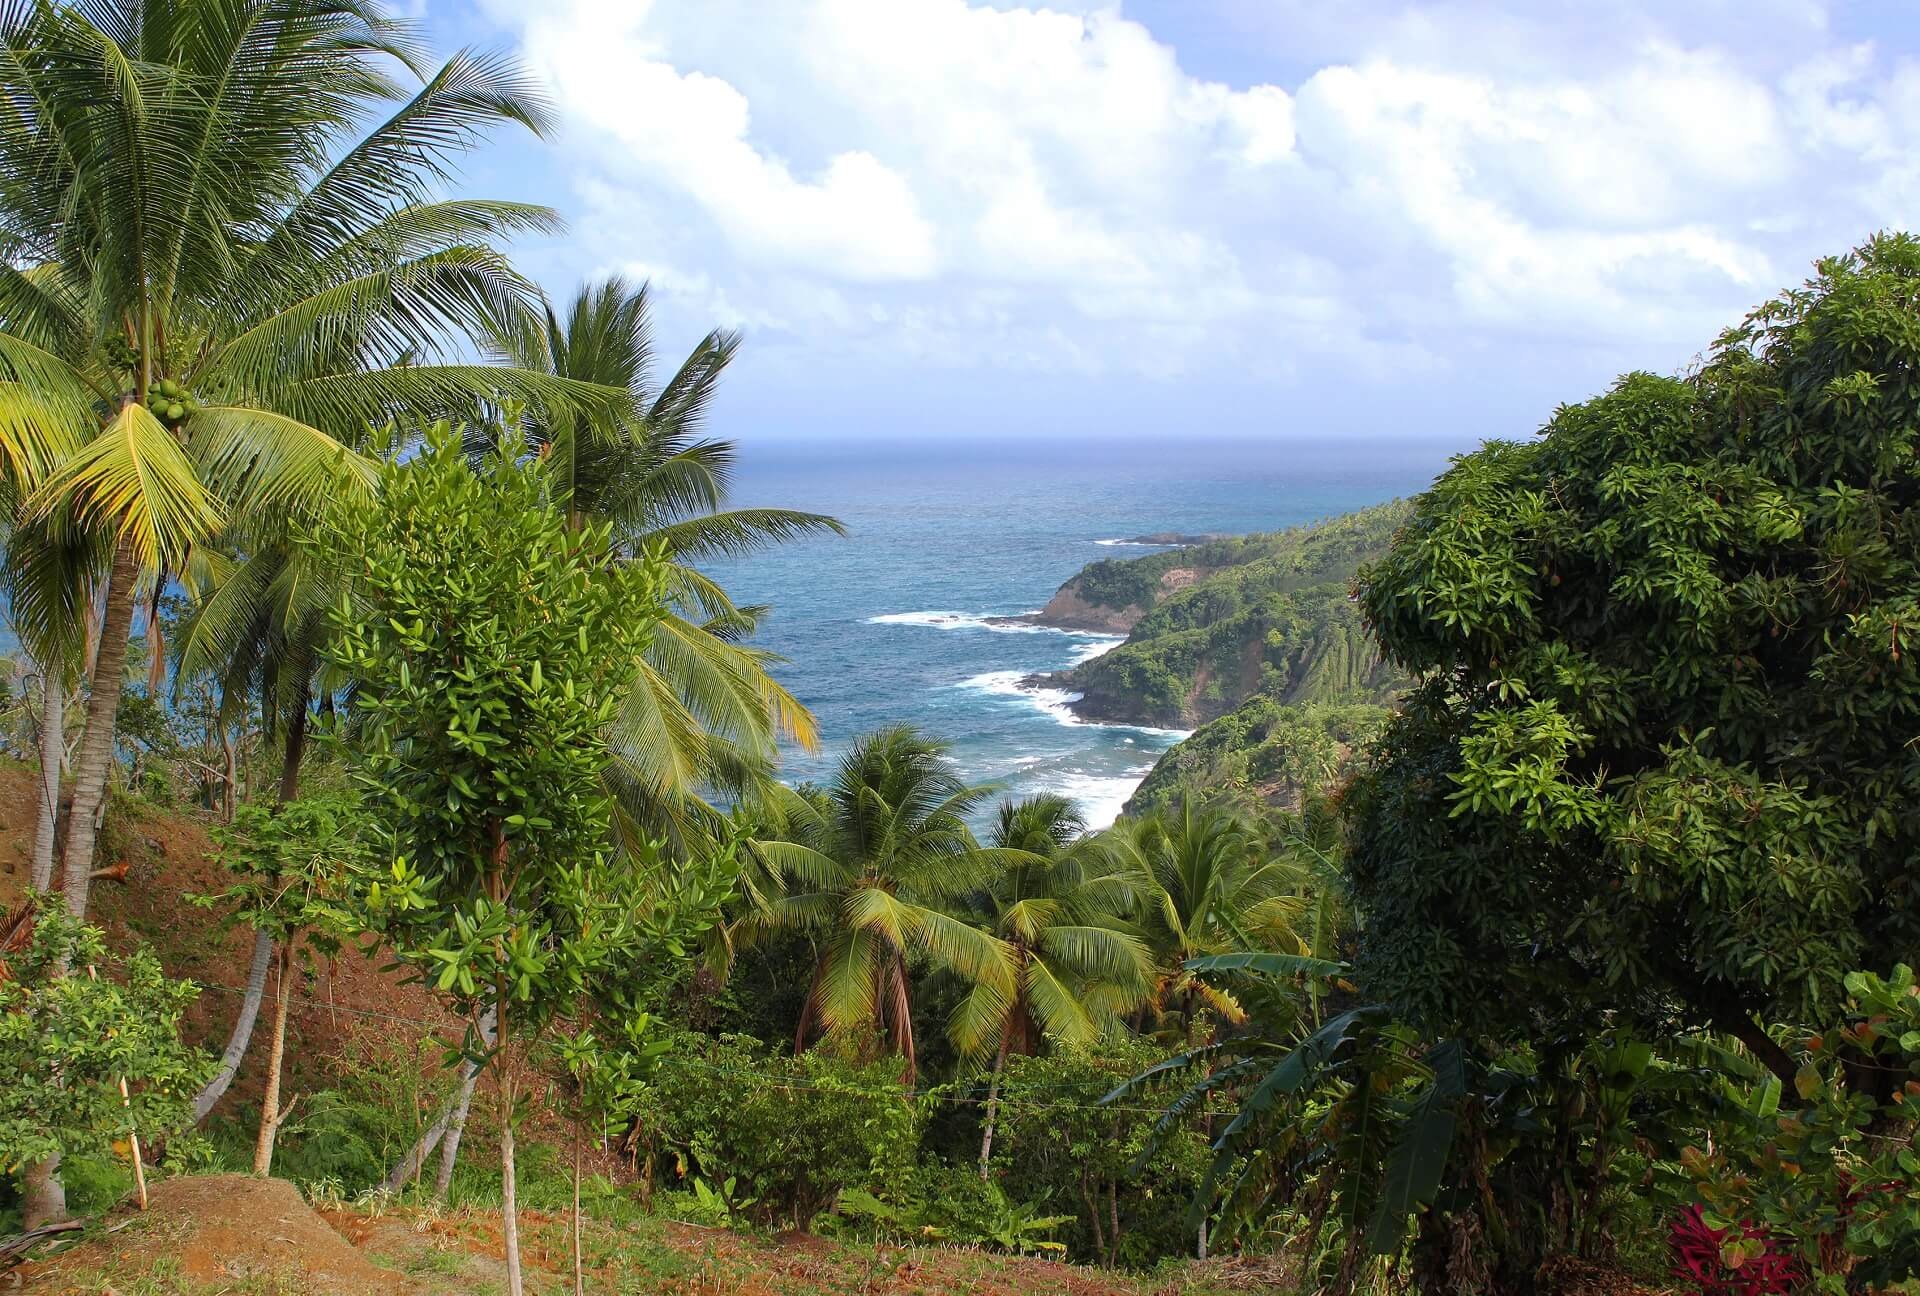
(1268, 615)
(1535, 913)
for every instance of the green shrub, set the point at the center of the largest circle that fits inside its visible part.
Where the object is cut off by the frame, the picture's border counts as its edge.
(793, 1133)
(382, 1091)
(954, 1205)
(70, 1039)
(1828, 1171)
(1061, 1149)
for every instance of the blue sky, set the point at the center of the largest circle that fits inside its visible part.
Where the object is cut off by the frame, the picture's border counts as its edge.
(1186, 218)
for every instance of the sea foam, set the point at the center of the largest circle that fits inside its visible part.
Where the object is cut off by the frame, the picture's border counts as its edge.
(1057, 703)
(998, 623)
(1100, 797)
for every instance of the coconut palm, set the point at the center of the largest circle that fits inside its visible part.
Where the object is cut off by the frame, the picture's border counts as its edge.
(1203, 884)
(1071, 967)
(875, 871)
(217, 277)
(706, 715)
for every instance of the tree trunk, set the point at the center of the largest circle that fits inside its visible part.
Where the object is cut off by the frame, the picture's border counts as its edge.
(1753, 1035)
(450, 1146)
(1091, 1196)
(229, 778)
(296, 749)
(993, 1099)
(53, 748)
(509, 1207)
(43, 1198)
(94, 762)
(579, 1281)
(452, 1119)
(242, 1035)
(270, 1111)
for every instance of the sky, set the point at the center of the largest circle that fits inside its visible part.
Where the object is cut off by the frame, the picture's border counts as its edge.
(1185, 218)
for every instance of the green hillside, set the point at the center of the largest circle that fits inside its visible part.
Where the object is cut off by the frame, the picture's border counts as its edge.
(1265, 752)
(1271, 617)
(1120, 593)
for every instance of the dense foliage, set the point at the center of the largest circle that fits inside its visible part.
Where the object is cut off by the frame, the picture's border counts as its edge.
(1264, 752)
(69, 1037)
(1276, 561)
(789, 1133)
(1661, 759)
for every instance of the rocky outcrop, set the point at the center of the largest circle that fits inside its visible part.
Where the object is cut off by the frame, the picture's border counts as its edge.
(1210, 626)
(1070, 609)
(1066, 610)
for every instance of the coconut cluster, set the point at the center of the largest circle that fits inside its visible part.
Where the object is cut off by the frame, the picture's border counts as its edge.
(170, 402)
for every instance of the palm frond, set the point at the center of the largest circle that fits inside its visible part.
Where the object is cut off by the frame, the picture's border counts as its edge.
(133, 481)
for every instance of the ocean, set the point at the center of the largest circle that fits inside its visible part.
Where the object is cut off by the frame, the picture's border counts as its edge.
(889, 624)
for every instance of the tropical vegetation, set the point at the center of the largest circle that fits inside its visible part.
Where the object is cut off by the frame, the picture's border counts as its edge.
(1537, 906)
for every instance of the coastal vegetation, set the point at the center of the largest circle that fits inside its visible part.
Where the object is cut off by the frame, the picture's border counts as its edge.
(1533, 912)
(1212, 626)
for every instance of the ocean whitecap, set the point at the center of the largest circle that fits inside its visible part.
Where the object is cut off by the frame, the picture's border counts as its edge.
(1057, 703)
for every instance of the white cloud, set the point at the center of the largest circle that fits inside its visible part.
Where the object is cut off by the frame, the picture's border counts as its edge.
(1002, 185)
(857, 217)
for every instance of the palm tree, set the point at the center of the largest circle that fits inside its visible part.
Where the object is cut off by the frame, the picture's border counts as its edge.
(216, 278)
(706, 715)
(875, 872)
(212, 285)
(1071, 967)
(1203, 884)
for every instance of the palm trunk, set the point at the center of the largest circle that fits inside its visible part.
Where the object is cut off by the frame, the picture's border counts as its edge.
(296, 750)
(53, 748)
(993, 1098)
(270, 1111)
(94, 761)
(43, 1198)
(242, 1035)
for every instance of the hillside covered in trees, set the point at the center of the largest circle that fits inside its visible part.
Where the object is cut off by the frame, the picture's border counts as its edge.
(398, 831)
(1213, 625)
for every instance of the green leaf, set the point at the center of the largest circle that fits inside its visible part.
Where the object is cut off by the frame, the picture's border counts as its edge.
(1420, 1151)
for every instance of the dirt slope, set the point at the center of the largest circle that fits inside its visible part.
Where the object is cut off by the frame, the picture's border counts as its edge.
(169, 858)
(223, 1235)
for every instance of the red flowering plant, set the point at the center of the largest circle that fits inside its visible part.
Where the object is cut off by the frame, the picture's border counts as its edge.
(1819, 1189)
(1737, 1260)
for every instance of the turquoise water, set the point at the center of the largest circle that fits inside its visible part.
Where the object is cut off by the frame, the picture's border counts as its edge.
(886, 625)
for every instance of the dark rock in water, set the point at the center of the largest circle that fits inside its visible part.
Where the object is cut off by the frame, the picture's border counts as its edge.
(1174, 538)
